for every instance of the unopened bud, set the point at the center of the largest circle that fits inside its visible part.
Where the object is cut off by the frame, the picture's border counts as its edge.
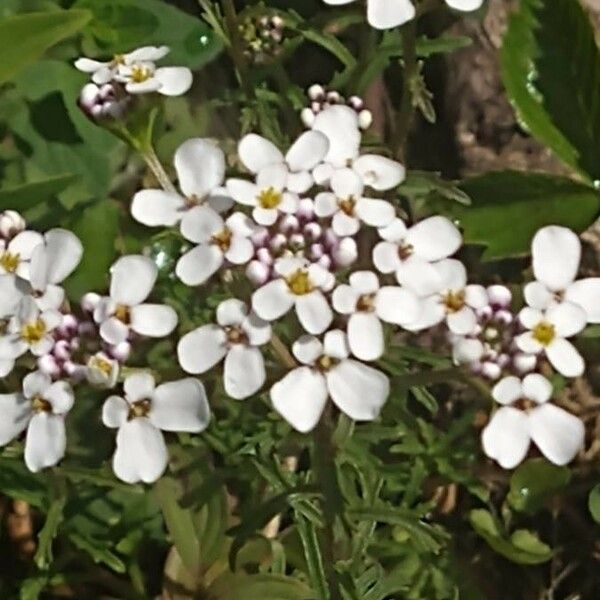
(316, 92)
(365, 119)
(11, 224)
(258, 273)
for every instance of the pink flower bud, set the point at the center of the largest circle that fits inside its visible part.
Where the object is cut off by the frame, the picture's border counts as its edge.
(258, 273)
(491, 370)
(89, 301)
(62, 350)
(297, 241)
(356, 102)
(306, 209)
(264, 256)
(120, 352)
(289, 224)
(69, 326)
(48, 365)
(325, 261)
(500, 296)
(278, 242)
(504, 316)
(524, 363)
(317, 251)
(260, 237)
(313, 231)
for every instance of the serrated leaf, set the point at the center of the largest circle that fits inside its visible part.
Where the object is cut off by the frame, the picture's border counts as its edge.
(553, 79)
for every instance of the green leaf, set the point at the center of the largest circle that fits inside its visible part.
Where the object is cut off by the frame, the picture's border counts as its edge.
(313, 556)
(259, 587)
(330, 43)
(553, 79)
(24, 38)
(421, 184)
(43, 555)
(508, 207)
(534, 482)
(523, 546)
(17, 482)
(594, 503)
(28, 195)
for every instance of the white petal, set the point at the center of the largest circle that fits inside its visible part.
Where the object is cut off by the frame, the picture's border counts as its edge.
(394, 232)
(558, 434)
(141, 453)
(536, 387)
(335, 344)
(462, 322)
(16, 412)
(132, 279)
(36, 384)
(139, 386)
(45, 442)
(60, 395)
(200, 166)
(53, 261)
(25, 243)
(530, 317)
(421, 277)
(257, 152)
(265, 216)
(174, 81)
(241, 224)
(307, 349)
(364, 282)
(180, 406)
(453, 274)
(346, 184)
(220, 200)
(272, 300)
(537, 295)
(272, 176)
(507, 390)
(466, 350)
(476, 296)
(231, 312)
(344, 225)
(144, 87)
(114, 331)
(12, 346)
(300, 182)
(346, 253)
(314, 312)
(376, 213)
(147, 53)
(365, 336)
(12, 290)
(153, 320)
(556, 252)
(300, 398)
(244, 372)
(386, 258)
(242, 191)
(344, 299)
(52, 298)
(307, 151)
(506, 437)
(340, 125)
(257, 330)
(568, 319)
(198, 265)
(432, 313)
(157, 208)
(396, 305)
(563, 356)
(88, 65)
(586, 293)
(240, 250)
(202, 349)
(528, 344)
(464, 5)
(434, 238)
(379, 172)
(200, 224)
(383, 14)
(358, 390)
(114, 412)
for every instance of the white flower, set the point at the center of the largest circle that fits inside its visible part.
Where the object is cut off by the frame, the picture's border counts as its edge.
(102, 371)
(357, 390)
(236, 339)
(15, 255)
(525, 416)
(29, 329)
(446, 296)
(40, 409)
(217, 241)
(146, 410)
(405, 251)
(300, 285)
(137, 71)
(368, 304)
(386, 14)
(348, 207)
(132, 280)
(556, 253)
(547, 333)
(200, 167)
(52, 262)
(11, 223)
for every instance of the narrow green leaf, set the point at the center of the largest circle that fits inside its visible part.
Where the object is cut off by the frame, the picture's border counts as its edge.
(259, 587)
(43, 555)
(594, 503)
(313, 556)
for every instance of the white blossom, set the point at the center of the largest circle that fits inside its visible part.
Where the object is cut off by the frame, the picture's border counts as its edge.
(526, 415)
(142, 415)
(124, 310)
(547, 333)
(236, 338)
(102, 371)
(40, 408)
(200, 167)
(300, 285)
(556, 254)
(367, 304)
(15, 255)
(358, 390)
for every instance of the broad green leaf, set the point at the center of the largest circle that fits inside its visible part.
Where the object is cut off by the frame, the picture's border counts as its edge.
(551, 71)
(24, 38)
(523, 546)
(508, 207)
(28, 195)
(534, 482)
(259, 587)
(594, 503)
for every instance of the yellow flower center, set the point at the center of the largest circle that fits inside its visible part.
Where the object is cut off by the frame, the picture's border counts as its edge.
(366, 303)
(222, 239)
(118, 59)
(39, 404)
(299, 282)
(33, 331)
(9, 262)
(525, 404)
(269, 198)
(100, 364)
(405, 251)
(325, 363)
(139, 73)
(123, 313)
(347, 206)
(236, 335)
(544, 333)
(141, 408)
(454, 301)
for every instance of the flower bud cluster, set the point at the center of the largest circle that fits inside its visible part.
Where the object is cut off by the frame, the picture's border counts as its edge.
(321, 98)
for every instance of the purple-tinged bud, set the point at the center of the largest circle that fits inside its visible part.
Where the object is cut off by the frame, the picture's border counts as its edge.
(264, 256)
(289, 224)
(316, 107)
(313, 231)
(500, 296)
(68, 326)
(334, 97)
(74, 371)
(504, 316)
(330, 239)
(317, 251)
(503, 360)
(11, 224)
(62, 350)
(485, 312)
(491, 370)
(278, 242)
(89, 301)
(48, 365)
(356, 102)
(260, 237)
(87, 330)
(297, 241)
(120, 352)
(306, 209)
(258, 273)
(101, 102)
(325, 261)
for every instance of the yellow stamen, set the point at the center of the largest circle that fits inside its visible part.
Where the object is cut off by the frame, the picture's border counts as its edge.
(544, 333)
(454, 301)
(366, 303)
(139, 74)
(123, 313)
(299, 282)
(236, 335)
(102, 365)
(347, 206)
(222, 239)
(269, 198)
(39, 404)
(405, 251)
(9, 262)
(141, 408)
(325, 363)
(33, 331)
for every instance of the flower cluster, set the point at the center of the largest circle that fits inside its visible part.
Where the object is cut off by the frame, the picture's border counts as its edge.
(263, 37)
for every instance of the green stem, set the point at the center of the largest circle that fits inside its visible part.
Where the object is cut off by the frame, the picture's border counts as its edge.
(149, 155)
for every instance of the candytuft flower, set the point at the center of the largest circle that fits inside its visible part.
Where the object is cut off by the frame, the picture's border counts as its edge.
(358, 390)
(236, 338)
(40, 408)
(142, 415)
(526, 415)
